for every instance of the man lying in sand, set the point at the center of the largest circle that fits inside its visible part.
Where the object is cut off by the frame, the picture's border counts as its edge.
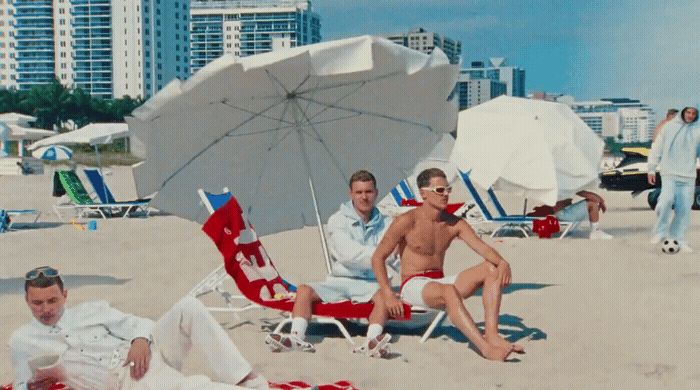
(98, 347)
(422, 236)
(354, 232)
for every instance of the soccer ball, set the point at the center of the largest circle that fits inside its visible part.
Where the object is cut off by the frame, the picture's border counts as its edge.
(670, 247)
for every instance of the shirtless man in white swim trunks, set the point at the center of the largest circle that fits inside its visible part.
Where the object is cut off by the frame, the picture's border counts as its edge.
(423, 236)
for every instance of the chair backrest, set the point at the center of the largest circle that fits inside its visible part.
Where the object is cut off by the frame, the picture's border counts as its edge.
(402, 192)
(74, 188)
(496, 203)
(98, 183)
(475, 196)
(214, 201)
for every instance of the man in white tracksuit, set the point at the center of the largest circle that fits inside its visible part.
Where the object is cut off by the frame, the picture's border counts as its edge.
(100, 347)
(675, 152)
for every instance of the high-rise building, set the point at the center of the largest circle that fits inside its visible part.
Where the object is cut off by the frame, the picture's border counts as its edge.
(109, 48)
(247, 27)
(425, 41)
(477, 91)
(626, 120)
(498, 70)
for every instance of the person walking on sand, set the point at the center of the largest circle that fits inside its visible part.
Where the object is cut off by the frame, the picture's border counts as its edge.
(422, 237)
(675, 152)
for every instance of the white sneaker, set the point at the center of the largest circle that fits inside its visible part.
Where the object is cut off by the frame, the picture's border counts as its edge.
(685, 248)
(599, 235)
(656, 239)
(375, 347)
(286, 343)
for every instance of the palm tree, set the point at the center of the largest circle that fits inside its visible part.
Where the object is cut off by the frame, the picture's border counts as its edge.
(50, 104)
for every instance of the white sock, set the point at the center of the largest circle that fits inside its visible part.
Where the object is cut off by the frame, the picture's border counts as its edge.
(594, 226)
(374, 330)
(299, 325)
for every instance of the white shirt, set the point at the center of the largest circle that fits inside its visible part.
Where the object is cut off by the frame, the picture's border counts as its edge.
(92, 338)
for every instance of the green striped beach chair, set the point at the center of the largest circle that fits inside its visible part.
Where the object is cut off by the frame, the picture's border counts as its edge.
(83, 204)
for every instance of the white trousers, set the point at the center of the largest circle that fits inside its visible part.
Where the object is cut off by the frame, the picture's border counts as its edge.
(188, 323)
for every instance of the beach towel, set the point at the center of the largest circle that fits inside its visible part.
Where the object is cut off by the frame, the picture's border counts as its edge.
(255, 275)
(340, 385)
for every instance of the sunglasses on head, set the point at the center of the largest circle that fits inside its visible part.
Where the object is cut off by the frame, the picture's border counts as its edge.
(440, 190)
(37, 272)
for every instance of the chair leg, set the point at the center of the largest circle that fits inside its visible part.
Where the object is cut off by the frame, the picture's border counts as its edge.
(428, 332)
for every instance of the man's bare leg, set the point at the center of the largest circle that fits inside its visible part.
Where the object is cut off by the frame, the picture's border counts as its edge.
(486, 275)
(593, 211)
(437, 295)
(379, 314)
(303, 304)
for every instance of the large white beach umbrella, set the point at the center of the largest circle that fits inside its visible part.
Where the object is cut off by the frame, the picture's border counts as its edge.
(532, 148)
(271, 127)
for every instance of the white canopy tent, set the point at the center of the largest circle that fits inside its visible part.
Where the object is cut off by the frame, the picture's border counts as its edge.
(93, 134)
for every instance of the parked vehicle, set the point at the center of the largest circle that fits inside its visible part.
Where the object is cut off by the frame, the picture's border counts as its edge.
(631, 175)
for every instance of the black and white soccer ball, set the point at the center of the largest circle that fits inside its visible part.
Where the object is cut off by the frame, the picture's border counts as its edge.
(670, 247)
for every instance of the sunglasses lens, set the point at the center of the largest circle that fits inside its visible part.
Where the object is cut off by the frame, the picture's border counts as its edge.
(442, 190)
(46, 271)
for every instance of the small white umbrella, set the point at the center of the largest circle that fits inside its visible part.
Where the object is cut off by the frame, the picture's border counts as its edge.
(271, 126)
(53, 153)
(533, 148)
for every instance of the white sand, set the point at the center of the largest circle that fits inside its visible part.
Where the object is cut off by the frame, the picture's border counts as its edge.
(601, 314)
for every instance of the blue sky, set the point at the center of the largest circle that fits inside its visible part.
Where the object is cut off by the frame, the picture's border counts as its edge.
(644, 49)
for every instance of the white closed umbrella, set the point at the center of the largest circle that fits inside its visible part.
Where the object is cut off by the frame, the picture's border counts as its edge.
(53, 153)
(532, 148)
(274, 126)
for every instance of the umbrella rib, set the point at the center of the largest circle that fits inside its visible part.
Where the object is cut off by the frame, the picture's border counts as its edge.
(225, 102)
(275, 80)
(375, 114)
(216, 141)
(319, 139)
(353, 115)
(327, 107)
(341, 85)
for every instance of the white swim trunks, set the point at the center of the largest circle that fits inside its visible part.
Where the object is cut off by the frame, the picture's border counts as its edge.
(412, 288)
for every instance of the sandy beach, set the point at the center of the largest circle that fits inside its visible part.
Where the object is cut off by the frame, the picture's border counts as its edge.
(615, 314)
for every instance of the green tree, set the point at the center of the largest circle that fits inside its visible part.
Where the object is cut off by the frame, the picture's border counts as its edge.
(50, 103)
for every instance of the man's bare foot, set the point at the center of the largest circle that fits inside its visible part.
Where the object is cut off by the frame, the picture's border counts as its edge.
(499, 341)
(498, 353)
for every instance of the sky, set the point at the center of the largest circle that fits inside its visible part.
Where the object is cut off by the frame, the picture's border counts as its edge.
(591, 49)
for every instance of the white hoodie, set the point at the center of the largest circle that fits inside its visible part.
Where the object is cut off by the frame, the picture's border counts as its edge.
(676, 149)
(352, 242)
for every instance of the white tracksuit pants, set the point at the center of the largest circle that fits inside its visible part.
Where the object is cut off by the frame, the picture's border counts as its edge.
(188, 323)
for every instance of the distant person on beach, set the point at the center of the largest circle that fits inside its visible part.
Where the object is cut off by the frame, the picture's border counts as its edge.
(422, 237)
(589, 208)
(670, 114)
(675, 152)
(102, 348)
(354, 232)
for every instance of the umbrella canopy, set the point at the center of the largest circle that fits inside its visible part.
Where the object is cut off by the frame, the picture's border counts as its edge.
(92, 134)
(14, 132)
(533, 148)
(270, 126)
(17, 119)
(53, 153)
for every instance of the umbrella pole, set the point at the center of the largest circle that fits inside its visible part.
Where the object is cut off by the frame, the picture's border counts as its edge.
(321, 232)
